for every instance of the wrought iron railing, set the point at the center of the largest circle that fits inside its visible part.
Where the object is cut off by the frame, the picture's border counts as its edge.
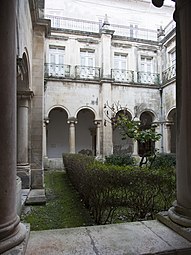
(169, 74)
(148, 78)
(94, 73)
(57, 70)
(122, 75)
(87, 72)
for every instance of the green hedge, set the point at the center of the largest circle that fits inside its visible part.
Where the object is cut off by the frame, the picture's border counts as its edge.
(164, 160)
(120, 160)
(105, 189)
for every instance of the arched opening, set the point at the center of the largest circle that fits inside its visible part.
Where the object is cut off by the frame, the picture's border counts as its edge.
(146, 120)
(172, 131)
(122, 146)
(57, 133)
(86, 132)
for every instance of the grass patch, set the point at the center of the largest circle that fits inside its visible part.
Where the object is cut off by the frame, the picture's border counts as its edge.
(63, 209)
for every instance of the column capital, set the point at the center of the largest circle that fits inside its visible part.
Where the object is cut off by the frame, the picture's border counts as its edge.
(46, 121)
(97, 122)
(27, 94)
(72, 120)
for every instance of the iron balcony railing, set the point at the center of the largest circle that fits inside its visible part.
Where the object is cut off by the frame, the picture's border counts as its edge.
(169, 74)
(148, 78)
(57, 70)
(131, 31)
(94, 73)
(87, 72)
(122, 75)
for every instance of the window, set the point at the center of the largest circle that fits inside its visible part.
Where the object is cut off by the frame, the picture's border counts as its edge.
(146, 74)
(120, 67)
(87, 64)
(146, 64)
(172, 58)
(56, 61)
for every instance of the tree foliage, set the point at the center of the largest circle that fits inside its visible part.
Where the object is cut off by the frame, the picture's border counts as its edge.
(132, 128)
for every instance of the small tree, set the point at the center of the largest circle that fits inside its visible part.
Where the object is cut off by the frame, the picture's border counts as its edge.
(133, 129)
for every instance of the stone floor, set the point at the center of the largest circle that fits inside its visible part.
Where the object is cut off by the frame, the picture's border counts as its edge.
(137, 238)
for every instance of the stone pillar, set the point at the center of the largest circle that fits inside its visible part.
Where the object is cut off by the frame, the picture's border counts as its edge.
(97, 123)
(135, 148)
(72, 139)
(180, 213)
(12, 232)
(106, 35)
(167, 137)
(23, 167)
(45, 124)
(93, 135)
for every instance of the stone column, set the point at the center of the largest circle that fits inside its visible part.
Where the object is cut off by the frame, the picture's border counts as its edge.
(106, 96)
(167, 137)
(45, 124)
(72, 139)
(23, 167)
(180, 213)
(97, 123)
(135, 148)
(12, 232)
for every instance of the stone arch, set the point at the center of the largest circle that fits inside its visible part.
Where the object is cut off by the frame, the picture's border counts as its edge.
(57, 106)
(171, 126)
(86, 131)
(87, 108)
(146, 120)
(57, 132)
(122, 146)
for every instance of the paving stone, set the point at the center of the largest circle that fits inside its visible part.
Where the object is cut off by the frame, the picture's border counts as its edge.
(136, 238)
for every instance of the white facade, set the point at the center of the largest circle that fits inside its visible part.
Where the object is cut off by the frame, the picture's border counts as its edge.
(91, 63)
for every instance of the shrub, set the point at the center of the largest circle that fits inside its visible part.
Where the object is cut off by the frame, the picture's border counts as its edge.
(164, 160)
(106, 188)
(120, 160)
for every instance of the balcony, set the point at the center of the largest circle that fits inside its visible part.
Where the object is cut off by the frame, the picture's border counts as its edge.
(87, 72)
(94, 73)
(122, 75)
(148, 78)
(169, 74)
(57, 70)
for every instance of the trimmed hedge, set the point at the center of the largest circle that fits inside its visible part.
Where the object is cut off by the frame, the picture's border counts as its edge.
(120, 160)
(165, 160)
(107, 188)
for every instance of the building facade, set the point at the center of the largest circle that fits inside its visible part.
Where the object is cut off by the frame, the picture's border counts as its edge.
(93, 65)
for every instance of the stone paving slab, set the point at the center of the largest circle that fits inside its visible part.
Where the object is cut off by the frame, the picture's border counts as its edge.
(136, 238)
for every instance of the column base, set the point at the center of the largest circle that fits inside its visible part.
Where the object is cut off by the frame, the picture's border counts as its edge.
(180, 215)
(164, 218)
(24, 172)
(36, 196)
(14, 239)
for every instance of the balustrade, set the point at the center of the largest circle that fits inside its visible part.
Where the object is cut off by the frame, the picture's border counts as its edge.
(87, 72)
(57, 70)
(169, 74)
(122, 75)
